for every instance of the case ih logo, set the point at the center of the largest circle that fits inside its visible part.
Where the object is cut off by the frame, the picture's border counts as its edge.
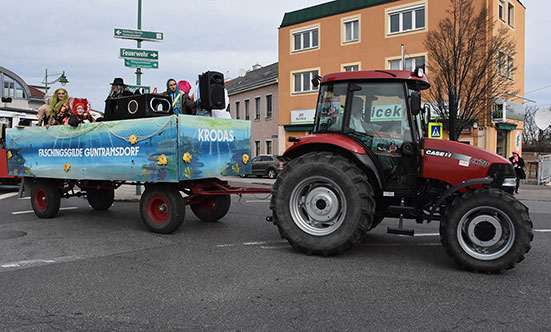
(439, 153)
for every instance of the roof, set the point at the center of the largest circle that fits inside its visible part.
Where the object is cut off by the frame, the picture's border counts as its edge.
(378, 75)
(36, 92)
(328, 9)
(253, 79)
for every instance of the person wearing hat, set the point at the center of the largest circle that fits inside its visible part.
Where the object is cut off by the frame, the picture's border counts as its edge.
(118, 89)
(181, 103)
(518, 164)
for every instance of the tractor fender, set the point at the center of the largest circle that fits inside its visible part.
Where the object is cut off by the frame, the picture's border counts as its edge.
(457, 187)
(341, 145)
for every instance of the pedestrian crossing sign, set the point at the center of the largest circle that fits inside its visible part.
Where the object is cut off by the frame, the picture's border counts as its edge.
(435, 130)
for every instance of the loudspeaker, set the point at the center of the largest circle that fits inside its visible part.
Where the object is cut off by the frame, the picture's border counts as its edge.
(211, 89)
(137, 106)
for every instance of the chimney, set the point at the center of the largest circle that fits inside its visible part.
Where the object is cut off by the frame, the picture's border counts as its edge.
(257, 66)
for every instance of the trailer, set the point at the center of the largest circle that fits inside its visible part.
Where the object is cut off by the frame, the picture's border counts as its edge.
(168, 155)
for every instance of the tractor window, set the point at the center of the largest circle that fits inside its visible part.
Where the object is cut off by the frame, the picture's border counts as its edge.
(332, 99)
(379, 118)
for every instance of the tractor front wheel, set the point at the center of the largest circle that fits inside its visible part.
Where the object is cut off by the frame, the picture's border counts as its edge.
(322, 203)
(213, 208)
(486, 230)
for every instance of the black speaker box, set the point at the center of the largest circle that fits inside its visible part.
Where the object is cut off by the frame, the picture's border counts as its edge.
(137, 106)
(211, 89)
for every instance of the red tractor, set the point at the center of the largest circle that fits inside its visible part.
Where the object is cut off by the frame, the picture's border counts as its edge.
(367, 159)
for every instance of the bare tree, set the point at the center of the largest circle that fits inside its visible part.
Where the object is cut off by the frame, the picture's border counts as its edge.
(464, 51)
(533, 138)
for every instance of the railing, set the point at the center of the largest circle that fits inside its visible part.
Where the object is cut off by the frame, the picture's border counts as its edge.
(544, 169)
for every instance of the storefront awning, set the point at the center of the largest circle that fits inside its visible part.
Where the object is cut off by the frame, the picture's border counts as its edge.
(302, 127)
(506, 126)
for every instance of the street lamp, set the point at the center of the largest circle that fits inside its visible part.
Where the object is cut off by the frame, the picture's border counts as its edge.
(61, 79)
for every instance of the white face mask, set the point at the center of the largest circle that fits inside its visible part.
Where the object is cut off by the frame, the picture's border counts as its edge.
(80, 110)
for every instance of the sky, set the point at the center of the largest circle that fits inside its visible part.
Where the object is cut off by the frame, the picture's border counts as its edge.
(199, 35)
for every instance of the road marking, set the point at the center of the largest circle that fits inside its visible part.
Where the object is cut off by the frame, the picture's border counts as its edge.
(542, 230)
(31, 211)
(259, 201)
(255, 243)
(8, 195)
(39, 261)
(427, 234)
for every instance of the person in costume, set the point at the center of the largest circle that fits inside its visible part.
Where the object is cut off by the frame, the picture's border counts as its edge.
(81, 112)
(59, 107)
(518, 164)
(118, 89)
(181, 103)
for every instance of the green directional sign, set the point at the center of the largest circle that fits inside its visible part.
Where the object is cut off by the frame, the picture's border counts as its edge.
(138, 54)
(141, 64)
(138, 34)
(133, 88)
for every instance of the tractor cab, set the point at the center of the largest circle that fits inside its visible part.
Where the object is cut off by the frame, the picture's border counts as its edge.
(380, 110)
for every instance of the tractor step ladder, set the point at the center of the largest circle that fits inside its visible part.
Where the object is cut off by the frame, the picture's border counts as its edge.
(401, 230)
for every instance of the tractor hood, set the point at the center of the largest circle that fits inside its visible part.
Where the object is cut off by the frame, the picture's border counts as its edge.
(454, 162)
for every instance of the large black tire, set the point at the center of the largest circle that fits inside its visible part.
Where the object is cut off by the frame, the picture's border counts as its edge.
(45, 198)
(162, 208)
(322, 203)
(212, 209)
(486, 230)
(100, 199)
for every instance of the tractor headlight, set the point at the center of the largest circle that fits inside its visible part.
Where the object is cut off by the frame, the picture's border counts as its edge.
(509, 182)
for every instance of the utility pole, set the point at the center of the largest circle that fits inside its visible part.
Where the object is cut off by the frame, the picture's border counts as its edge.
(139, 70)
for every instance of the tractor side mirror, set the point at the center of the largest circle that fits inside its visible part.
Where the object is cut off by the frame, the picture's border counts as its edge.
(415, 103)
(316, 81)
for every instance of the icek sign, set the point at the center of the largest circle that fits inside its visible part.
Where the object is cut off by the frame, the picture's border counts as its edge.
(390, 112)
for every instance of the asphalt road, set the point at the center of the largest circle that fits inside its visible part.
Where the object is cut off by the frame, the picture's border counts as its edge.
(88, 270)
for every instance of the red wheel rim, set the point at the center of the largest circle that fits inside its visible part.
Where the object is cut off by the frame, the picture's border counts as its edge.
(40, 199)
(158, 209)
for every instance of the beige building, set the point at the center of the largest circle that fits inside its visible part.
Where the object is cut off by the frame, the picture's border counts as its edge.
(254, 96)
(367, 35)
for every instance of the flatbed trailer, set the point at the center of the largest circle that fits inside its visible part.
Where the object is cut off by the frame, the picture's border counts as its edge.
(168, 155)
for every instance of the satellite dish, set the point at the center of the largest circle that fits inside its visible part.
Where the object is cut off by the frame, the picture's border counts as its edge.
(242, 72)
(543, 119)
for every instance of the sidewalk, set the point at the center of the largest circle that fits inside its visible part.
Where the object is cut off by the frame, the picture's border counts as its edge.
(530, 192)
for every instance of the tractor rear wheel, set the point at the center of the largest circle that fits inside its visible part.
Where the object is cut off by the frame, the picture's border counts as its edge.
(162, 208)
(322, 203)
(45, 198)
(486, 230)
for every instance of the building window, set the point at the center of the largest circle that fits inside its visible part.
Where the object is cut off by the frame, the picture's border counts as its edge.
(268, 147)
(256, 148)
(257, 108)
(12, 88)
(303, 81)
(411, 63)
(269, 107)
(351, 30)
(305, 39)
(408, 19)
(351, 68)
(511, 14)
(500, 10)
(247, 110)
(505, 65)
(237, 110)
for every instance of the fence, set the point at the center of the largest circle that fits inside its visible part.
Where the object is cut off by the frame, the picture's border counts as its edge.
(544, 172)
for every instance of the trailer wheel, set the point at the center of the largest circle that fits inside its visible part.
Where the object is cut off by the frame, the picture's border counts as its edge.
(212, 209)
(45, 198)
(100, 199)
(162, 208)
(486, 230)
(322, 203)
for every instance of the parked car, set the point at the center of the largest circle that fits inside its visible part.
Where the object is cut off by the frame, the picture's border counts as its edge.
(267, 165)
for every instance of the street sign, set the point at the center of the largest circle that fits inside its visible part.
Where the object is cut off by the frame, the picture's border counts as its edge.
(138, 34)
(138, 53)
(141, 64)
(133, 88)
(435, 130)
